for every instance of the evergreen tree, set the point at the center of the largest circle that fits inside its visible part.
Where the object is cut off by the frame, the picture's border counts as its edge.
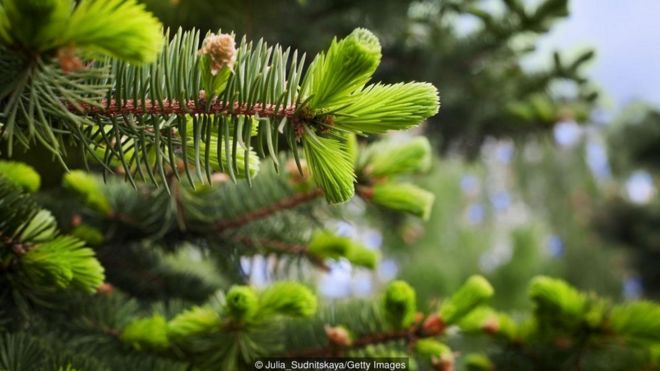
(150, 272)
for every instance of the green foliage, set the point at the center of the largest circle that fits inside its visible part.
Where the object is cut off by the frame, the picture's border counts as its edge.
(478, 362)
(403, 197)
(64, 262)
(327, 245)
(242, 303)
(473, 293)
(476, 318)
(331, 167)
(541, 107)
(149, 332)
(118, 28)
(554, 295)
(36, 24)
(18, 212)
(245, 159)
(346, 67)
(20, 174)
(210, 216)
(45, 266)
(171, 115)
(40, 228)
(136, 116)
(636, 136)
(89, 187)
(391, 157)
(287, 298)
(378, 108)
(214, 84)
(18, 351)
(192, 322)
(638, 321)
(400, 304)
(91, 235)
(431, 348)
(565, 328)
(438, 353)
(45, 259)
(352, 147)
(362, 256)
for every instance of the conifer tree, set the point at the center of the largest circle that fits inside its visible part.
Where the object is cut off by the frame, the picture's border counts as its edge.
(201, 152)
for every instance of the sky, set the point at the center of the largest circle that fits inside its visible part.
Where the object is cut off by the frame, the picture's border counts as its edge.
(626, 37)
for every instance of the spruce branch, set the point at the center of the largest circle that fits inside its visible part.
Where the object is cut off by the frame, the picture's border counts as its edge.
(289, 202)
(139, 115)
(41, 257)
(183, 203)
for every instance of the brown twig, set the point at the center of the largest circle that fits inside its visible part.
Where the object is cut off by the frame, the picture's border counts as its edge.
(283, 204)
(410, 335)
(168, 106)
(17, 247)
